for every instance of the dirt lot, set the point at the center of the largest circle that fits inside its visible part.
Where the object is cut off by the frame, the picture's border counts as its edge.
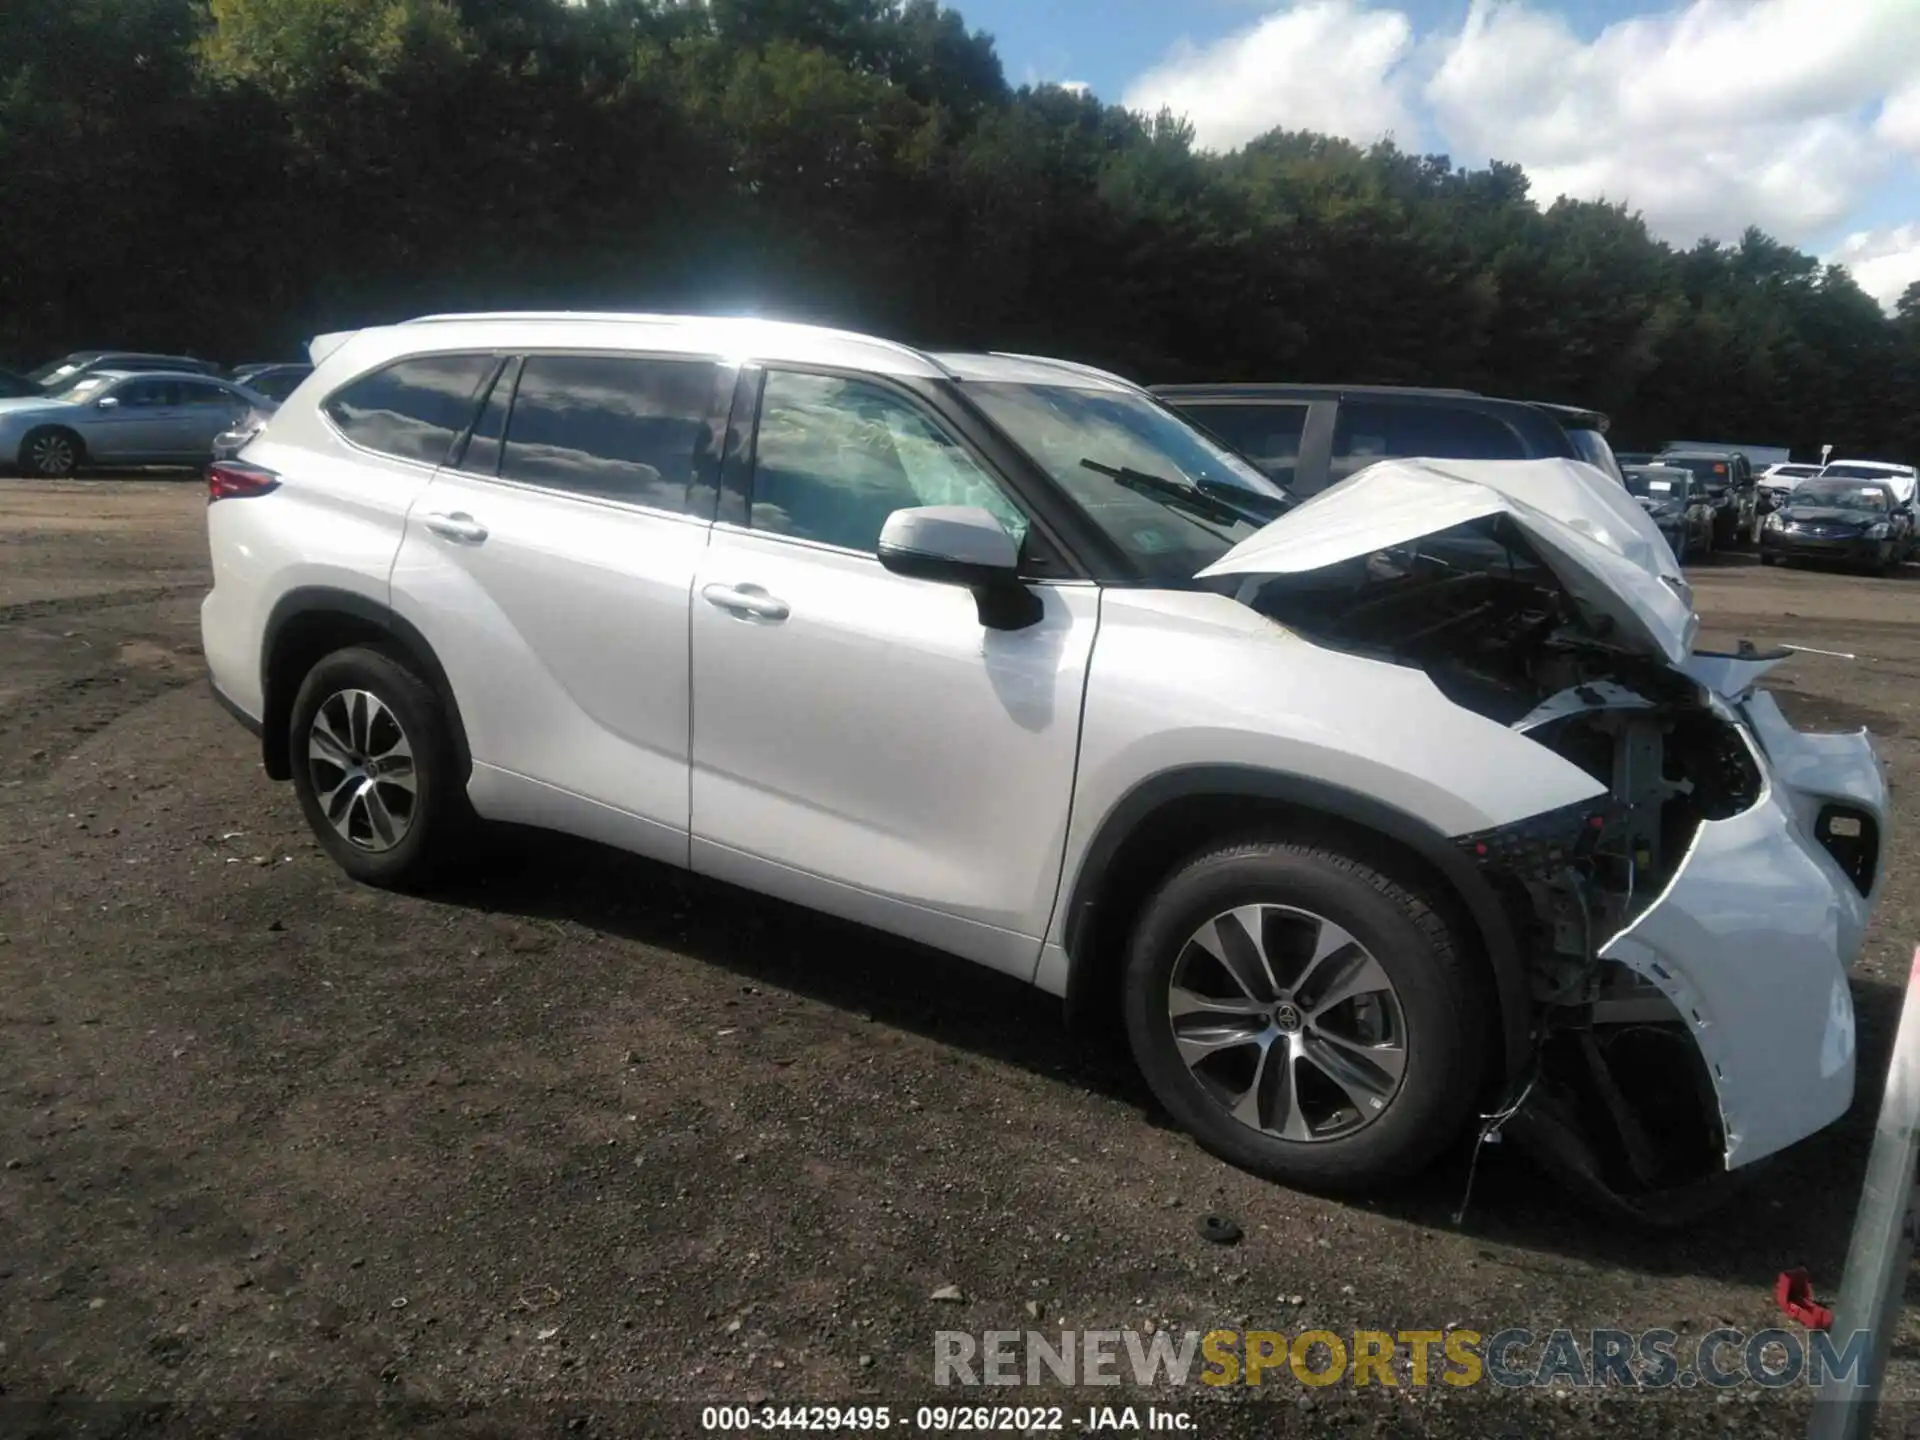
(589, 1134)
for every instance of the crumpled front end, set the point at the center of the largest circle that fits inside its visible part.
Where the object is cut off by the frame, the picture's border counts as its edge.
(1687, 933)
(1750, 939)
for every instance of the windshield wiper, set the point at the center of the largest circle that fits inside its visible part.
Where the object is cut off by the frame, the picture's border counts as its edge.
(1203, 499)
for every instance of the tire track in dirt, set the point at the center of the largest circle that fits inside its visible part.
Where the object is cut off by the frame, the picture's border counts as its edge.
(88, 604)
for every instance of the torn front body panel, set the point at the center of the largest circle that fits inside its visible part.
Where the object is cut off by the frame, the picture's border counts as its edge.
(1690, 928)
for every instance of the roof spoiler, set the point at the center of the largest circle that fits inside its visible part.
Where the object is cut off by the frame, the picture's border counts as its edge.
(321, 346)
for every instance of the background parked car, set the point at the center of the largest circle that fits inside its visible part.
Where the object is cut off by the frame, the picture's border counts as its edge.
(110, 417)
(232, 440)
(1307, 437)
(1725, 478)
(276, 381)
(1900, 479)
(1839, 519)
(1634, 457)
(1669, 495)
(14, 385)
(57, 374)
(1776, 482)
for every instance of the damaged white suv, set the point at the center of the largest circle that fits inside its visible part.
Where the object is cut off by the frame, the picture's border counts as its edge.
(1359, 815)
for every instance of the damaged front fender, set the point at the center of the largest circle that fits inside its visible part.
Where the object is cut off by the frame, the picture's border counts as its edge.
(1749, 942)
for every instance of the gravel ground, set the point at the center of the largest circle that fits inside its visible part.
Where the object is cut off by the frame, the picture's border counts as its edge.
(587, 1135)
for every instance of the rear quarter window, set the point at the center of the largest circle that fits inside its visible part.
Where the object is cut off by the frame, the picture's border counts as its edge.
(412, 409)
(1370, 430)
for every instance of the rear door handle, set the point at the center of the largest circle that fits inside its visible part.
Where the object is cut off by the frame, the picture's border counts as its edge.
(457, 526)
(746, 600)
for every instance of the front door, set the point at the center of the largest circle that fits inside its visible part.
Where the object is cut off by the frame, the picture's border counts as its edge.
(138, 425)
(861, 743)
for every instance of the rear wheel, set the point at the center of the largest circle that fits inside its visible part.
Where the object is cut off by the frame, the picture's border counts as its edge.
(52, 451)
(374, 766)
(1304, 1015)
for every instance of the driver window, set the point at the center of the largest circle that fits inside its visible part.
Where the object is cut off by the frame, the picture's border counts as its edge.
(834, 457)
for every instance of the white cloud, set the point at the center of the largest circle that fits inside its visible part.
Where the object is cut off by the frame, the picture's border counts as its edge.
(1074, 87)
(1708, 116)
(1883, 262)
(1328, 65)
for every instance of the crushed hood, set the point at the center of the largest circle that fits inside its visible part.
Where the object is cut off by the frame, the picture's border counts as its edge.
(1588, 530)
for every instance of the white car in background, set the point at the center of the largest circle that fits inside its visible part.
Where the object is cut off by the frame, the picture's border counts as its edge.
(1358, 817)
(1776, 482)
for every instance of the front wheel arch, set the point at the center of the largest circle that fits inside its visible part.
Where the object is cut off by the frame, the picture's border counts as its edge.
(71, 436)
(1165, 819)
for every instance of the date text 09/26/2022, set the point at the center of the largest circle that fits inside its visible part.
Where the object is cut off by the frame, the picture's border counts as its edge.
(951, 1419)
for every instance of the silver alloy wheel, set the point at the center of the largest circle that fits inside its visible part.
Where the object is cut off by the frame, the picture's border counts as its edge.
(1288, 1022)
(51, 454)
(361, 764)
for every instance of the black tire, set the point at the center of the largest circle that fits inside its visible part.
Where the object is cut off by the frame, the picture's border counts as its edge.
(439, 822)
(1442, 998)
(51, 452)
(1766, 559)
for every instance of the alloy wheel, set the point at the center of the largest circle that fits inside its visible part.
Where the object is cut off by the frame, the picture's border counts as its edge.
(1288, 1022)
(51, 454)
(361, 764)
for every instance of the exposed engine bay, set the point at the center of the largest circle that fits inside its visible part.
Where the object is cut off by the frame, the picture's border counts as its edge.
(1619, 1101)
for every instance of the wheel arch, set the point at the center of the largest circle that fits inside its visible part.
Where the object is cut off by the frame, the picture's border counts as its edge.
(311, 622)
(1165, 818)
(39, 427)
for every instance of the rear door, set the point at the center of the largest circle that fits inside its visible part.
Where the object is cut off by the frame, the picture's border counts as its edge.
(206, 407)
(549, 566)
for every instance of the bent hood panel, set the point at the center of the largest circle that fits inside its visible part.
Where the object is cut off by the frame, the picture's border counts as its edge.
(1601, 546)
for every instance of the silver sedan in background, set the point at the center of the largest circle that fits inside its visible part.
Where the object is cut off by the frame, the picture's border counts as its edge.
(117, 418)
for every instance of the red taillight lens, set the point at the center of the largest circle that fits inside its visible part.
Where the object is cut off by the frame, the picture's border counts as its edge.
(236, 480)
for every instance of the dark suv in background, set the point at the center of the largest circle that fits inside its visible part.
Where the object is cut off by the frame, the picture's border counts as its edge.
(1307, 437)
(1726, 479)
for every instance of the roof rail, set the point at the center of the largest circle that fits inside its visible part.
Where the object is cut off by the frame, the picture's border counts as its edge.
(615, 317)
(1074, 365)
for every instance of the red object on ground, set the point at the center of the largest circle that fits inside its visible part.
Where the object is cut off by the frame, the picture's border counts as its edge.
(1794, 1293)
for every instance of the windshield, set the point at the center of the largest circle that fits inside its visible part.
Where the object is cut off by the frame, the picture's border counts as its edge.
(1844, 471)
(1794, 472)
(1165, 494)
(1840, 494)
(1655, 485)
(84, 388)
(1705, 468)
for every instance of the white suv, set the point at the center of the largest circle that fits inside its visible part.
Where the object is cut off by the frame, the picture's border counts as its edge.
(1358, 814)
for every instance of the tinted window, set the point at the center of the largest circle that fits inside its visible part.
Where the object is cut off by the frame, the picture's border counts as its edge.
(146, 394)
(1370, 430)
(196, 393)
(483, 447)
(1268, 435)
(276, 384)
(412, 409)
(834, 458)
(623, 429)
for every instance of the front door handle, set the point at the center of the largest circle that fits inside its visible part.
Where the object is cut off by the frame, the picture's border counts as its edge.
(457, 526)
(746, 600)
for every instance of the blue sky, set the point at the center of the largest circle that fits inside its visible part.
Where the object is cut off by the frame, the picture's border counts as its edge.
(1800, 116)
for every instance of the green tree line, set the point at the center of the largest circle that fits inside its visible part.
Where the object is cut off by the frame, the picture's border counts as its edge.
(229, 177)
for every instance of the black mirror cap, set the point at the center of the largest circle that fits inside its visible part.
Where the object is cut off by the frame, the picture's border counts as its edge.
(1000, 600)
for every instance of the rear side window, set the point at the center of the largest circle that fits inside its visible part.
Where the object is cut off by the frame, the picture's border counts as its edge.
(1268, 435)
(1370, 430)
(197, 393)
(613, 427)
(412, 409)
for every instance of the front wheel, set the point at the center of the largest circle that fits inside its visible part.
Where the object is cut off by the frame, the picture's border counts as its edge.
(375, 769)
(51, 452)
(1304, 1015)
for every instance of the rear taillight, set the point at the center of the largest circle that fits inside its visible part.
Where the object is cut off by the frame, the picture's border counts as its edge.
(237, 480)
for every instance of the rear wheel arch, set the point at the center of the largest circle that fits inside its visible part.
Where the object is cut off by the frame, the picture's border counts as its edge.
(309, 624)
(1165, 820)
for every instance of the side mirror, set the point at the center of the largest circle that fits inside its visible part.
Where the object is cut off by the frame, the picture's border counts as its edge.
(962, 545)
(107, 402)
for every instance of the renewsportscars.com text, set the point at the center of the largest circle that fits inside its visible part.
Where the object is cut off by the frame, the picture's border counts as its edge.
(1515, 1357)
